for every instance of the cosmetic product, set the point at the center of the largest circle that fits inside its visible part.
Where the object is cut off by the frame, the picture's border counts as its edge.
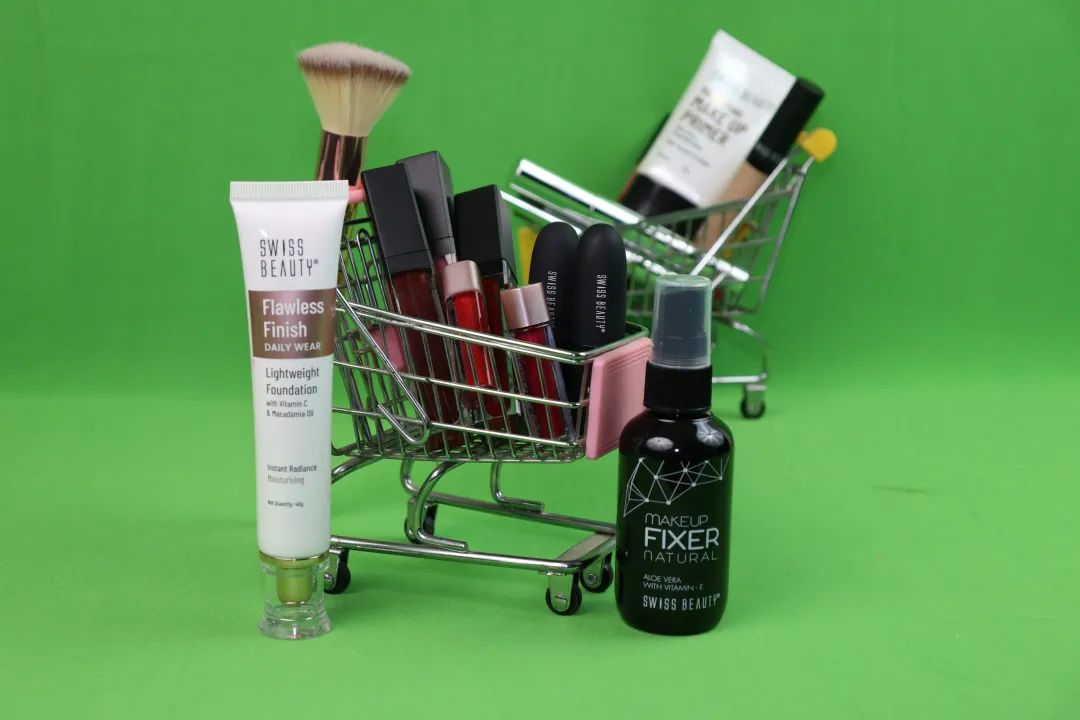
(527, 320)
(597, 297)
(289, 239)
(554, 258)
(676, 466)
(430, 180)
(483, 234)
(465, 308)
(727, 105)
(768, 152)
(407, 258)
(616, 390)
(351, 87)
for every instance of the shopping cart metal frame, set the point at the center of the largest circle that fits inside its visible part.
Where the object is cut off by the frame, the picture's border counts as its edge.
(740, 261)
(388, 421)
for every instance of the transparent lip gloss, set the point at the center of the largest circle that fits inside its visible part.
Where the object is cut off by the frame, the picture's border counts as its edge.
(527, 319)
(465, 308)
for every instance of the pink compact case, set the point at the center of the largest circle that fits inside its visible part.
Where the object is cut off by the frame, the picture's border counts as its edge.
(617, 391)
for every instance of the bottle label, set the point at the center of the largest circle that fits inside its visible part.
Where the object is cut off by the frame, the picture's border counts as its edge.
(673, 534)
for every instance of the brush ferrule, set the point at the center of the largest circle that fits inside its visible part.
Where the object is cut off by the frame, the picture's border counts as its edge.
(340, 157)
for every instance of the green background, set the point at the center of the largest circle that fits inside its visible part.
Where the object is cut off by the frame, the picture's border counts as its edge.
(904, 513)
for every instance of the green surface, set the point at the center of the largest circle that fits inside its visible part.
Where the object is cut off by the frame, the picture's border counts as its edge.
(904, 513)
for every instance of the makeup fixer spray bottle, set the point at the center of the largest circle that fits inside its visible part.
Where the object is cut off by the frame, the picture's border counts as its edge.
(676, 465)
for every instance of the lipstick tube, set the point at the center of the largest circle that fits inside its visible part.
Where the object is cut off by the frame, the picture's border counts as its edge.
(405, 254)
(483, 234)
(527, 319)
(465, 308)
(598, 296)
(554, 258)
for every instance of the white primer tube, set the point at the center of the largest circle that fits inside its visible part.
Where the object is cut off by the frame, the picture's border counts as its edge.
(290, 234)
(723, 112)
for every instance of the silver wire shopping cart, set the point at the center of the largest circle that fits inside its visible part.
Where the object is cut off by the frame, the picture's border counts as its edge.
(402, 407)
(740, 261)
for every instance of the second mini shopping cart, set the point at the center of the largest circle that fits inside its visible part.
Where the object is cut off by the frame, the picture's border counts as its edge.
(740, 260)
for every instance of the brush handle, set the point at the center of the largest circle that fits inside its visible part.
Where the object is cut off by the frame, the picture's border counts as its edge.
(340, 157)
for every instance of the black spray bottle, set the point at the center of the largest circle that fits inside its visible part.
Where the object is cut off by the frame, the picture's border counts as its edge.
(676, 465)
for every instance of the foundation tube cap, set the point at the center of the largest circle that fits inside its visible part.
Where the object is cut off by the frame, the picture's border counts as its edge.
(460, 277)
(790, 118)
(525, 306)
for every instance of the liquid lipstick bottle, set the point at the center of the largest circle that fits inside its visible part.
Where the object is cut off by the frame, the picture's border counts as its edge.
(483, 234)
(465, 308)
(527, 319)
(430, 180)
(392, 205)
(676, 466)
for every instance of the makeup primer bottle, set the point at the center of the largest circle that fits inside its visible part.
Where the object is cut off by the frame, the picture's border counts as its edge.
(676, 465)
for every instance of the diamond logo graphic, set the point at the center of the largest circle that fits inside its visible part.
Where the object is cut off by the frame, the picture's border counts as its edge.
(663, 486)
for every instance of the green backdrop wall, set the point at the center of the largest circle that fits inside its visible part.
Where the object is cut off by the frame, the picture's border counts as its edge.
(937, 232)
(902, 510)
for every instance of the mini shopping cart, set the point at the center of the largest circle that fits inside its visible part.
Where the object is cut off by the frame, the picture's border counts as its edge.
(740, 262)
(400, 410)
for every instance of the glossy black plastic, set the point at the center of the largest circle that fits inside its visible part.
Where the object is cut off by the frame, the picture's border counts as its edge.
(674, 522)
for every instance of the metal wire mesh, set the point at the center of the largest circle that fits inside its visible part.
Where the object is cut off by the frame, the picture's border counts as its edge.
(404, 378)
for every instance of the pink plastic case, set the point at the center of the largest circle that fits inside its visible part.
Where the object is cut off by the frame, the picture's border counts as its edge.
(616, 395)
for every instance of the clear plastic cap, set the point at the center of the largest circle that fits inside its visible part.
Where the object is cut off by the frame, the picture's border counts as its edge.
(682, 317)
(294, 605)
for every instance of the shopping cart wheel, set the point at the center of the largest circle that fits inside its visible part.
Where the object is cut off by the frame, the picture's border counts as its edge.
(753, 401)
(598, 576)
(752, 411)
(563, 595)
(428, 524)
(339, 579)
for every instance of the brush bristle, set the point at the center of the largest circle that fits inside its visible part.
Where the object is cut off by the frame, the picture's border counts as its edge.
(351, 86)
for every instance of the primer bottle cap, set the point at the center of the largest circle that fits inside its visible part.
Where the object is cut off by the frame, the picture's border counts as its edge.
(790, 118)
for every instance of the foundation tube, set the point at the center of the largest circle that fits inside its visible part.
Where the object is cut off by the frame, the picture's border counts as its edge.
(290, 234)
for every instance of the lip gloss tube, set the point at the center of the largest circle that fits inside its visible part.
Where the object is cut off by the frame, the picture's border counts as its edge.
(465, 308)
(482, 229)
(430, 179)
(405, 253)
(527, 318)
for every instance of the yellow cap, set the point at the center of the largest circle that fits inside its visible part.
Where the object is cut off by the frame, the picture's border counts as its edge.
(819, 143)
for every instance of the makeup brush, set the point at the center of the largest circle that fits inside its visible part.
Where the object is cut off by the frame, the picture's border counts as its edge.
(351, 87)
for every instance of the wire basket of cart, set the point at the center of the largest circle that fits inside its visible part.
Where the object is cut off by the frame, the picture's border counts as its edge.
(412, 395)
